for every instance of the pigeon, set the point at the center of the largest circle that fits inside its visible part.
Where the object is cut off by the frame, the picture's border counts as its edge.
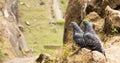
(78, 34)
(91, 39)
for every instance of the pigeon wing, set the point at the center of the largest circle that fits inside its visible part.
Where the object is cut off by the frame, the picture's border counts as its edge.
(78, 38)
(92, 41)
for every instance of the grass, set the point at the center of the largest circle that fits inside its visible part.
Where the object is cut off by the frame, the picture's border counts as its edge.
(64, 5)
(40, 32)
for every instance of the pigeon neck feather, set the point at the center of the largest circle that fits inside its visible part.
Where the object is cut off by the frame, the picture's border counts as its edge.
(89, 28)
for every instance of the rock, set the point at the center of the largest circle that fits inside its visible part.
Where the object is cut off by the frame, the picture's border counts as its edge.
(92, 56)
(27, 23)
(6, 14)
(112, 21)
(75, 12)
(5, 46)
(56, 9)
(12, 41)
(86, 56)
(43, 57)
(22, 3)
(21, 60)
(42, 3)
(113, 54)
(98, 57)
(96, 21)
(1, 14)
(93, 16)
(1, 4)
(21, 28)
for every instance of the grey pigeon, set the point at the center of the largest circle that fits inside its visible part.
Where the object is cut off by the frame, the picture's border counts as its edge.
(92, 41)
(78, 34)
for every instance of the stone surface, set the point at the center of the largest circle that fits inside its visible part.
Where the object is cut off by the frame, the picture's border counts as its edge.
(43, 57)
(86, 56)
(96, 21)
(112, 20)
(75, 12)
(98, 57)
(13, 43)
(22, 60)
(1, 14)
(113, 54)
(93, 56)
(27, 23)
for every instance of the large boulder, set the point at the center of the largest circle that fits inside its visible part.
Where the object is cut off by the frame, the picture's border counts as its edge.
(86, 56)
(76, 8)
(12, 41)
(43, 58)
(7, 50)
(112, 21)
(96, 21)
(75, 12)
(113, 55)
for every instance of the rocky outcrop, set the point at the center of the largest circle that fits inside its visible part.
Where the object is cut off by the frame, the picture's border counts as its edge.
(109, 25)
(96, 21)
(112, 21)
(43, 58)
(74, 13)
(78, 9)
(14, 43)
(56, 9)
(86, 56)
(113, 54)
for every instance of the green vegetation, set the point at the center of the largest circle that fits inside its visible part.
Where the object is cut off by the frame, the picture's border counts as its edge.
(114, 31)
(40, 32)
(61, 21)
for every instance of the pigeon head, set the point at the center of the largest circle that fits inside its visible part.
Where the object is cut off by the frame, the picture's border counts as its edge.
(86, 23)
(88, 26)
(75, 27)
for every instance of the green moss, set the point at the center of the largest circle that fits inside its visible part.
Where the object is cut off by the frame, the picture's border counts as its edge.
(61, 21)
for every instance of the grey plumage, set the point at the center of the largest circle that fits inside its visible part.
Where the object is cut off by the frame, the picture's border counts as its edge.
(78, 34)
(87, 39)
(92, 41)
